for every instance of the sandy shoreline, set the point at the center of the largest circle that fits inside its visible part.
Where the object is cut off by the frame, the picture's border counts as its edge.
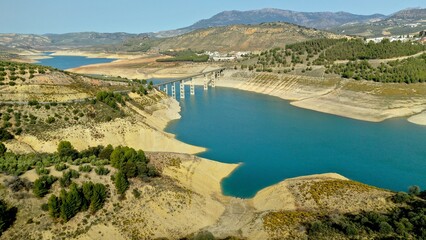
(337, 97)
(94, 54)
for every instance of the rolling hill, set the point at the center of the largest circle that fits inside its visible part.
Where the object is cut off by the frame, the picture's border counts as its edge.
(409, 21)
(66, 40)
(231, 38)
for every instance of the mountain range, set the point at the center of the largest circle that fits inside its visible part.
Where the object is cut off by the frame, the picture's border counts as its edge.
(320, 20)
(406, 21)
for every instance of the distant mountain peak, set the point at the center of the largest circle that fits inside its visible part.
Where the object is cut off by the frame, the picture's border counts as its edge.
(321, 20)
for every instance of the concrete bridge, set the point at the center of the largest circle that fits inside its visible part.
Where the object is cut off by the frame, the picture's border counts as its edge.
(210, 78)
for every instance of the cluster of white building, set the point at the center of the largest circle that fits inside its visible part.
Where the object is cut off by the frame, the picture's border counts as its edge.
(226, 57)
(402, 38)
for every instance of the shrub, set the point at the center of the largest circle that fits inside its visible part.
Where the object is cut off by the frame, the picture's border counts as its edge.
(110, 98)
(42, 171)
(92, 151)
(85, 168)
(385, 228)
(65, 149)
(3, 149)
(67, 177)
(101, 170)
(16, 184)
(131, 162)
(7, 216)
(414, 190)
(400, 197)
(33, 102)
(136, 193)
(42, 185)
(61, 166)
(5, 135)
(50, 120)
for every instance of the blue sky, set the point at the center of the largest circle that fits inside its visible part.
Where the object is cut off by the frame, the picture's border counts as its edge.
(137, 16)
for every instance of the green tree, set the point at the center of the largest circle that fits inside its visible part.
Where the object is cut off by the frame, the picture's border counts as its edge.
(5, 135)
(66, 211)
(3, 149)
(98, 197)
(121, 182)
(87, 190)
(385, 228)
(106, 152)
(7, 216)
(129, 161)
(65, 149)
(42, 185)
(414, 190)
(54, 206)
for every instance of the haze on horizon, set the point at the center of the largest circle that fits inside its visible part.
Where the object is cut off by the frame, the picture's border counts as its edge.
(52, 16)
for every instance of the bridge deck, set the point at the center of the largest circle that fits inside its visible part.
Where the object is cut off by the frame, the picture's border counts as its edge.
(187, 77)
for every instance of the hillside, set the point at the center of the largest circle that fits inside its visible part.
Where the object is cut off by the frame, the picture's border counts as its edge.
(89, 38)
(410, 21)
(66, 40)
(234, 38)
(321, 20)
(24, 41)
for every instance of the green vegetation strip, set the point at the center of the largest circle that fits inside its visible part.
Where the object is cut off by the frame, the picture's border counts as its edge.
(184, 56)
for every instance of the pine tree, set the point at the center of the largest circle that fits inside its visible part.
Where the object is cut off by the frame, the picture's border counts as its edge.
(66, 213)
(75, 199)
(54, 206)
(121, 182)
(98, 197)
(7, 216)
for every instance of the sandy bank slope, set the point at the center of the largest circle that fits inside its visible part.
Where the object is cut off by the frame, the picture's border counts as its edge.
(95, 54)
(418, 119)
(362, 100)
(140, 130)
(126, 132)
(143, 67)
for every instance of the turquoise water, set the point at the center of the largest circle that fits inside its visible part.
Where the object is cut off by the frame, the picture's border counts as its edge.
(274, 141)
(66, 62)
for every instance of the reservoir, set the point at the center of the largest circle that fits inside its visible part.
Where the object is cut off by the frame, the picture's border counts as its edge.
(67, 62)
(274, 140)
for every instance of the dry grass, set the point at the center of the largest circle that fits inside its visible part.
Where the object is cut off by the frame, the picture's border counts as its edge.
(285, 224)
(319, 190)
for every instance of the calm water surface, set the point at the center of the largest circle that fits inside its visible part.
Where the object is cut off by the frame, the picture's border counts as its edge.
(274, 141)
(66, 62)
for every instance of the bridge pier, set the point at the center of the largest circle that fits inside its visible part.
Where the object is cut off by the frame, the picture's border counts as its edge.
(174, 90)
(165, 89)
(206, 87)
(192, 87)
(182, 89)
(213, 82)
